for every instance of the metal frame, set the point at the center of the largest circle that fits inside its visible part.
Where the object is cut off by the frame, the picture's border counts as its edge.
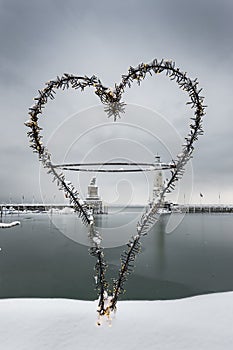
(114, 107)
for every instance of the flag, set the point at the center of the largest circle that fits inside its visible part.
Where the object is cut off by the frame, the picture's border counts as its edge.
(201, 195)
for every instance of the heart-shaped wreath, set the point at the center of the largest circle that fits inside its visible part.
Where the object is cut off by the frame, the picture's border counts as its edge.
(111, 98)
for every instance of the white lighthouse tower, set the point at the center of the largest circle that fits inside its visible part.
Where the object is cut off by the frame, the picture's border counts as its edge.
(158, 183)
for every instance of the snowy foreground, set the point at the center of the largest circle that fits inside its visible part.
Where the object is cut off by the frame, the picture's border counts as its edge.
(203, 322)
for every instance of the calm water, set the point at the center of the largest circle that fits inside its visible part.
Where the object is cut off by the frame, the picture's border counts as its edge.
(38, 260)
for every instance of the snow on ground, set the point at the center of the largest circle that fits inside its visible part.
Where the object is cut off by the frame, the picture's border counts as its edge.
(9, 224)
(200, 323)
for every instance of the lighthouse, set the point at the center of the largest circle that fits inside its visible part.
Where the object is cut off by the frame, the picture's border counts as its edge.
(158, 183)
(158, 187)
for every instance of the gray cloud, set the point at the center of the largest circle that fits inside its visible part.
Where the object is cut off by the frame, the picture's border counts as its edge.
(40, 40)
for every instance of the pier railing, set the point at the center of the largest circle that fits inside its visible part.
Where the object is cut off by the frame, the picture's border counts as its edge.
(195, 208)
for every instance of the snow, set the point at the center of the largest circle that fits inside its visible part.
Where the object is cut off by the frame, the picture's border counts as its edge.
(97, 240)
(197, 323)
(9, 224)
(66, 210)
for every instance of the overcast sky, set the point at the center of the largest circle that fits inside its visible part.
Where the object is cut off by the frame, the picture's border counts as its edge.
(40, 40)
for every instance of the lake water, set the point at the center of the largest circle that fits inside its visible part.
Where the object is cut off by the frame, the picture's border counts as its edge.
(42, 258)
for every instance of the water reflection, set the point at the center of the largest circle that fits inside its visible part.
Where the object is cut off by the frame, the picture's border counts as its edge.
(116, 228)
(159, 245)
(38, 260)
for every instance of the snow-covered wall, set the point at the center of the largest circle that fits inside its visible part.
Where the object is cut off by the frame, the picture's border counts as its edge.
(197, 323)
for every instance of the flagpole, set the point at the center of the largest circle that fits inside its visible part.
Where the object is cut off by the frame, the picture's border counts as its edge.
(201, 195)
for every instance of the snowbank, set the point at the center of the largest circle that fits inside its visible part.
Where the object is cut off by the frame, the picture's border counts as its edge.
(198, 323)
(9, 224)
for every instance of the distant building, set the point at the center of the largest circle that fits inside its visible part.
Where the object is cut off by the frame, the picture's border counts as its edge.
(93, 200)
